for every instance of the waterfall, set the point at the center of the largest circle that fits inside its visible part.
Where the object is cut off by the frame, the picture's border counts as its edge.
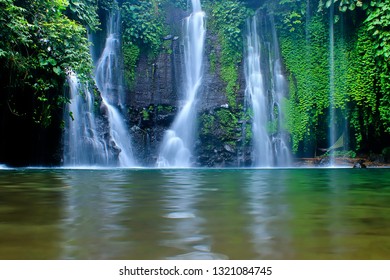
(257, 96)
(178, 141)
(93, 139)
(332, 109)
(109, 81)
(83, 146)
(266, 86)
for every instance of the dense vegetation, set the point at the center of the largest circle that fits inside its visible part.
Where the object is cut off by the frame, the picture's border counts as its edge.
(41, 41)
(360, 84)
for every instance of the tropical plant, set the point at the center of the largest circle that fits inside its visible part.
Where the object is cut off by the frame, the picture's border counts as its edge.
(39, 45)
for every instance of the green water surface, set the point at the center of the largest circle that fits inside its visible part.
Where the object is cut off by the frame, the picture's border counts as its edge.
(195, 214)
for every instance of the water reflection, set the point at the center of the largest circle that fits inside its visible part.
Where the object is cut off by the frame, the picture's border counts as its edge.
(224, 211)
(144, 218)
(336, 226)
(185, 226)
(30, 214)
(359, 223)
(267, 207)
(194, 214)
(95, 203)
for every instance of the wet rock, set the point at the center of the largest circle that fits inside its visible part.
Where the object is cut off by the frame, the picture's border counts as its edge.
(325, 161)
(376, 158)
(229, 148)
(359, 164)
(103, 110)
(386, 154)
(168, 37)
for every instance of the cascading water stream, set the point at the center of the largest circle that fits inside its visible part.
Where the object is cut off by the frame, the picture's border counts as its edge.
(255, 92)
(282, 153)
(83, 146)
(109, 82)
(266, 86)
(178, 142)
(90, 139)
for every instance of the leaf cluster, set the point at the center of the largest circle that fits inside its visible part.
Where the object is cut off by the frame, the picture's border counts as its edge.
(227, 20)
(308, 66)
(142, 24)
(39, 45)
(85, 12)
(361, 73)
(143, 30)
(343, 5)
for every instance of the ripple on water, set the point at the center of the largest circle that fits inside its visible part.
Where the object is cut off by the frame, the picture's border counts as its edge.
(199, 256)
(179, 215)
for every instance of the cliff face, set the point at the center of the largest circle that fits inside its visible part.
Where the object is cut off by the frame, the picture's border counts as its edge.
(156, 94)
(152, 104)
(157, 81)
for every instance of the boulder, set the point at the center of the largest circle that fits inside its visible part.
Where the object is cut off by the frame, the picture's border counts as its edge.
(359, 164)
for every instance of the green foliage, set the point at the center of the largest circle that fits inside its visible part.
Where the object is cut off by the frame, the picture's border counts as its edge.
(207, 124)
(248, 134)
(85, 11)
(384, 107)
(166, 46)
(131, 54)
(207, 135)
(145, 114)
(291, 12)
(164, 109)
(182, 4)
(39, 44)
(378, 23)
(306, 59)
(67, 46)
(107, 5)
(228, 123)
(219, 126)
(361, 80)
(227, 19)
(143, 30)
(343, 5)
(229, 74)
(361, 71)
(293, 19)
(142, 24)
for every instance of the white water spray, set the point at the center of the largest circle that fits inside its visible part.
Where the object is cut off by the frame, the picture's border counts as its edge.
(83, 146)
(178, 142)
(266, 86)
(91, 140)
(255, 91)
(109, 82)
